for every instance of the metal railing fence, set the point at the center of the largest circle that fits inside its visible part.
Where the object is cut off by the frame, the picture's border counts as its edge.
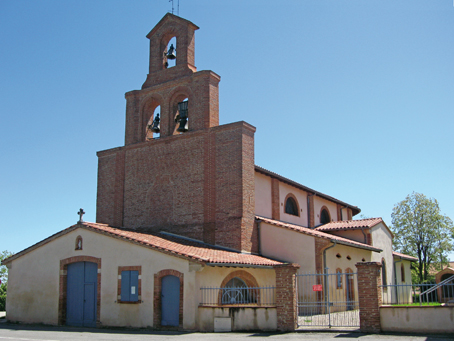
(415, 293)
(263, 296)
(328, 299)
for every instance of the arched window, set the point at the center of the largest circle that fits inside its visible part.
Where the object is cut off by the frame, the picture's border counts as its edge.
(236, 291)
(402, 273)
(383, 272)
(291, 206)
(325, 218)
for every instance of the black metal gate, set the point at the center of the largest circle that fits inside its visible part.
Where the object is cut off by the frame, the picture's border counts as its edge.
(328, 300)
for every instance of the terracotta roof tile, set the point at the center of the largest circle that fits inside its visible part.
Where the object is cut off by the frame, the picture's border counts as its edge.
(167, 243)
(350, 224)
(315, 233)
(404, 256)
(185, 247)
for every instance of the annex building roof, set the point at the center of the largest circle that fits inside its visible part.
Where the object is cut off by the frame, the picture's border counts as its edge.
(350, 224)
(319, 234)
(174, 245)
(404, 256)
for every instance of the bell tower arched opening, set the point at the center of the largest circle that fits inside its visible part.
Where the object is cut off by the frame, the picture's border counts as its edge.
(180, 109)
(153, 129)
(170, 53)
(151, 119)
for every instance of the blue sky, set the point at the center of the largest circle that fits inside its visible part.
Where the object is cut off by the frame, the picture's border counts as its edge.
(354, 99)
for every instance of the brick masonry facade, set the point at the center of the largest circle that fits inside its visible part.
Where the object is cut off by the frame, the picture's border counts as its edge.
(370, 296)
(286, 297)
(198, 184)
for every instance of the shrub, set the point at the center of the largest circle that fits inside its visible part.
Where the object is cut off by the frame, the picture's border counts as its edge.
(3, 296)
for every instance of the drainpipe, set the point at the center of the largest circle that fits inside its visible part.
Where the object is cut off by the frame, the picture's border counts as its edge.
(324, 254)
(395, 279)
(364, 234)
(326, 292)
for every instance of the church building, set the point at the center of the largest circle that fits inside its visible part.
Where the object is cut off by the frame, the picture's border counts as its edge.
(208, 241)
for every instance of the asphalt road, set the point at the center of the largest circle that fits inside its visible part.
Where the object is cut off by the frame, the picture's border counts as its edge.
(12, 332)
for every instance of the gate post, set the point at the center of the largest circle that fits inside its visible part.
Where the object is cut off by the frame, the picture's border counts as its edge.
(286, 297)
(370, 296)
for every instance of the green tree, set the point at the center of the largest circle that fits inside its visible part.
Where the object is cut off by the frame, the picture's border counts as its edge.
(420, 230)
(3, 288)
(3, 270)
(3, 279)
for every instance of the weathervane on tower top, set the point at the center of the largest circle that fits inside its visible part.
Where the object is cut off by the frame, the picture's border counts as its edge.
(178, 7)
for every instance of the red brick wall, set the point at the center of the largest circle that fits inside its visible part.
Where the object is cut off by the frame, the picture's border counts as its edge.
(311, 211)
(370, 296)
(286, 297)
(320, 245)
(198, 184)
(275, 201)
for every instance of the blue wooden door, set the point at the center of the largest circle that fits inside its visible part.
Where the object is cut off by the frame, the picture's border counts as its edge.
(170, 299)
(82, 279)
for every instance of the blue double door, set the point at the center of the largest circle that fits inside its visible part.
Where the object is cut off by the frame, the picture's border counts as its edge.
(82, 283)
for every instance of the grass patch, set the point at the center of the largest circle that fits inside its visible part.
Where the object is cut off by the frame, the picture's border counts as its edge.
(308, 321)
(432, 304)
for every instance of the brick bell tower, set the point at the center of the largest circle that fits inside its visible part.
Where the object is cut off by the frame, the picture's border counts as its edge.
(197, 178)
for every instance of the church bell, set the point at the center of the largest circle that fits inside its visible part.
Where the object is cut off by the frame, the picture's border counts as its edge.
(155, 127)
(182, 116)
(171, 53)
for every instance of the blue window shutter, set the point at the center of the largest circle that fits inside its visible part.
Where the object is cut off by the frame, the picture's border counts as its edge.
(125, 286)
(134, 287)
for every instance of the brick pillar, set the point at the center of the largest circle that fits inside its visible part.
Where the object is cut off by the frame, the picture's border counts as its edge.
(370, 296)
(286, 297)
(275, 201)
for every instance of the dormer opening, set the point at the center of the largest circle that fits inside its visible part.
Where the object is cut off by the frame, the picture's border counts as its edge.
(170, 53)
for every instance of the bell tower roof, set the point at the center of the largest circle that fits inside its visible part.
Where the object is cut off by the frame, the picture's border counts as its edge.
(175, 20)
(171, 26)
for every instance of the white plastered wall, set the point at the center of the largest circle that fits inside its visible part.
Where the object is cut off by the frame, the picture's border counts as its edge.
(318, 204)
(262, 195)
(344, 258)
(301, 197)
(382, 239)
(356, 235)
(33, 288)
(289, 246)
(403, 293)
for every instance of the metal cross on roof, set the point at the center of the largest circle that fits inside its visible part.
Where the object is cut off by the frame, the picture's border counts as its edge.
(81, 214)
